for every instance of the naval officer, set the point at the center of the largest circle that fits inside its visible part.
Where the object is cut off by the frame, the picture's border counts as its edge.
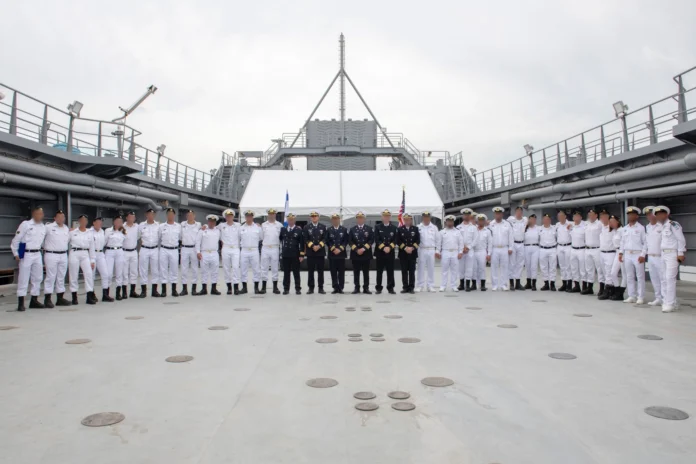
(673, 246)
(548, 253)
(56, 260)
(503, 244)
(113, 251)
(250, 235)
(653, 232)
(100, 258)
(408, 240)
(517, 257)
(293, 253)
(563, 251)
(189, 259)
(466, 265)
(429, 236)
(207, 244)
(231, 255)
(130, 254)
(634, 247)
(385, 242)
(450, 252)
(270, 250)
(337, 241)
(149, 233)
(82, 257)
(360, 239)
(482, 251)
(170, 236)
(531, 253)
(593, 260)
(31, 233)
(315, 239)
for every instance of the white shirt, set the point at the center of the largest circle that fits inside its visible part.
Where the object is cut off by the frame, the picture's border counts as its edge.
(451, 240)
(531, 235)
(673, 238)
(30, 233)
(149, 234)
(562, 233)
(271, 233)
(189, 232)
(616, 237)
(592, 232)
(547, 236)
(207, 240)
(57, 237)
(113, 238)
(132, 235)
(429, 236)
(98, 237)
(484, 241)
(469, 234)
(230, 234)
(654, 238)
(633, 239)
(83, 240)
(250, 235)
(518, 226)
(170, 234)
(606, 239)
(502, 234)
(577, 234)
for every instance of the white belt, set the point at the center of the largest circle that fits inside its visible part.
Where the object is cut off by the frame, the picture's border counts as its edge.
(633, 252)
(250, 249)
(671, 250)
(654, 255)
(229, 246)
(451, 249)
(427, 248)
(209, 251)
(500, 246)
(270, 246)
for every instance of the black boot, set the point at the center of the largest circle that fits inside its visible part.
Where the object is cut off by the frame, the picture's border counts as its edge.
(529, 285)
(518, 286)
(236, 289)
(143, 291)
(511, 286)
(244, 289)
(590, 289)
(133, 293)
(174, 292)
(298, 291)
(562, 287)
(124, 292)
(310, 291)
(184, 290)
(92, 298)
(608, 292)
(584, 289)
(275, 288)
(483, 285)
(155, 293)
(164, 291)
(105, 296)
(204, 290)
(601, 289)
(286, 291)
(569, 287)
(74, 299)
(118, 293)
(47, 302)
(229, 288)
(322, 292)
(34, 303)
(366, 290)
(404, 290)
(553, 286)
(214, 290)
(461, 284)
(193, 289)
(576, 287)
(60, 301)
(263, 288)
(546, 287)
(473, 284)
(256, 288)
(467, 286)
(618, 294)
(20, 304)
(356, 291)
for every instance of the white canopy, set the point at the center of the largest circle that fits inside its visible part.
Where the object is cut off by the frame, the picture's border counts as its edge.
(343, 192)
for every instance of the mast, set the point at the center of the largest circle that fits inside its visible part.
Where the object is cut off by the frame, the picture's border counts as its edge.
(342, 83)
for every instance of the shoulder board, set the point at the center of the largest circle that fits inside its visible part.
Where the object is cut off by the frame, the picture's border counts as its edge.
(675, 224)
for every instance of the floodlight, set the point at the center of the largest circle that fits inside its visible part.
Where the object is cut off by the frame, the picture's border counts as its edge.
(160, 149)
(620, 109)
(529, 149)
(75, 108)
(473, 171)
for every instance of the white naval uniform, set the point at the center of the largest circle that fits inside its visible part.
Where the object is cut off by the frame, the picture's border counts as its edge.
(100, 258)
(577, 252)
(230, 235)
(593, 260)
(633, 246)
(170, 235)
(617, 266)
(466, 264)
(531, 251)
(270, 249)
(189, 260)
(673, 244)
(130, 254)
(429, 242)
(32, 234)
(654, 238)
(207, 244)
(548, 253)
(149, 253)
(56, 257)
(451, 244)
(482, 249)
(517, 258)
(115, 259)
(82, 256)
(609, 250)
(564, 249)
(250, 236)
(502, 241)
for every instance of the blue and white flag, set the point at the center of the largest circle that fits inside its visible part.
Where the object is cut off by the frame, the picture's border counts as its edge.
(287, 209)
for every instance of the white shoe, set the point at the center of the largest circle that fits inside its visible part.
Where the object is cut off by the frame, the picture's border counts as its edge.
(418, 290)
(640, 301)
(432, 289)
(442, 289)
(630, 299)
(494, 289)
(657, 302)
(668, 308)
(505, 288)
(455, 289)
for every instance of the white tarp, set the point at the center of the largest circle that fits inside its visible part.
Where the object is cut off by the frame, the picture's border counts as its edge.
(344, 192)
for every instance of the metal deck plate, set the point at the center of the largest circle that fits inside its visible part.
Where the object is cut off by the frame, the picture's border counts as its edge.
(398, 395)
(404, 406)
(364, 396)
(566, 356)
(650, 337)
(321, 382)
(437, 381)
(179, 359)
(366, 406)
(326, 340)
(102, 419)
(409, 340)
(664, 412)
(78, 341)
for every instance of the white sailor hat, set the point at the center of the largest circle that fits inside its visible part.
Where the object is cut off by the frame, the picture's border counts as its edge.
(359, 214)
(482, 216)
(450, 217)
(661, 209)
(290, 215)
(498, 209)
(633, 209)
(407, 216)
(648, 209)
(212, 217)
(271, 211)
(228, 212)
(335, 216)
(466, 211)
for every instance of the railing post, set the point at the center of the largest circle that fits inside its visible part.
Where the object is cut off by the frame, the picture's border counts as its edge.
(99, 140)
(512, 174)
(131, 149)
(546, 166)
(13, 115)
(567, 156)
(44, 127)
(624, 129)
(186, 177)
(558, 157)
(176, 174)
(195, 180)
(147, 156)
(502, 177)
(167, 176)
(70, 133)
(603, 154)
(681, 115)
(651, 126)
(582, 159)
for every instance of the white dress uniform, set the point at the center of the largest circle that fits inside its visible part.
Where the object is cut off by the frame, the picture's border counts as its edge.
(673, 244)
(56, 257)
(170, 236)
(149, 253)
(502, 241)
(451, 244)
(430, 242)
(482, 248)
(115, 259)
(548, 253)
(653, 233)
(634, 245)
(130, 254)
(230, 234)
(617, 266)
(32, 234)
(82, 256)
(531, 251)
(189, 260)
(564, 249)
(207, 244)
(270, 251)
(517, 258)
(593, 260)
(466, 264)
(577, 253)
(250, 236)
(100, 258)
(608, 251)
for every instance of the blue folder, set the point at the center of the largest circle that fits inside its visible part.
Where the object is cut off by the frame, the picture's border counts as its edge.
(22, 247)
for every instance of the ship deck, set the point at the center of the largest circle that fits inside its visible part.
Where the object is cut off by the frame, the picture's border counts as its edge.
(244, 398)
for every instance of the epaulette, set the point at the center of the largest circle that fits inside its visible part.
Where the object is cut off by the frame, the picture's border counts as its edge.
(675, 224)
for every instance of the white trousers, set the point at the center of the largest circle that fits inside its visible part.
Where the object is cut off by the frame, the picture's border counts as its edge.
(270, 256)
(210, 263)
(670, 269)
(31, 266)
(499, 267)
(101, 267)
(593, 262)
(148, 263)
(577, 264)
(479, 272)
(450, 269)
(531, 261)
(250, 259)
(547, 262)
(426, 262)
(466, 265)
(655, 269)
(189, 265)
(115, 260)
(563, 255)
(615, 269)
(80, 260)
(517, 259)
(56, 269)
(634, 271)
(230, 263)
(169, 265)
(130, 267)
(608, 265)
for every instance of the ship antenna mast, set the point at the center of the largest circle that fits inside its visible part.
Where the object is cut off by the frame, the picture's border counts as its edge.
(342, 83)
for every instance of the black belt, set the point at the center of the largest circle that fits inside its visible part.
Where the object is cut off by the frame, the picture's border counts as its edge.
(609, 251)
(530, 244)
(591, 248)
(546, 248)
(56, 252)
(578, 248)
(189, 246)
(129, 249)
(563, 244)
(31, 251)
(149, 248)
(113, 248)
(170, 248)
(98, 251)
(80, 249)
(521, 241)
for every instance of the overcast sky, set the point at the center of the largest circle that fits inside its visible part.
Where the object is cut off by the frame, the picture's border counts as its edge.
(479, 77)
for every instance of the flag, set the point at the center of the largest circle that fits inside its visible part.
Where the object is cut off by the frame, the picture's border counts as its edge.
(287, 209)
(402, 208)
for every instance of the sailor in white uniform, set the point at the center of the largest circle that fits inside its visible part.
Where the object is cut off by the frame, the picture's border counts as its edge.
(56, 260)
(607, 255)
(634, 247)
(130, 255)
(563, 251)
(593, 260)
(114, 237)
(250, 237)
(548, 253)
(31, 233)
(100, 258)
(231, 243)
(207, 244)
(673, 246)
(577, 252)
(482, 251)
(430, 242)
(170, 236)
(189, 259)
(503, 243)
(450, 251)
(466, 265)
(653, 233)
(270, 250)
(617, 286)
(517, 258)
(82, 256)
(531, 252)
(149, 233)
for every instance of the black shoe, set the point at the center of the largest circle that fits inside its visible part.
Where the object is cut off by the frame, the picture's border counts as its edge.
(412, 291)
(276, 291)
(143, 291)
(118, 293)
(618, 294)
(473, 285)
(334, 291)
(378, 290)
(60, 301)
(569, 288)
(47, 302)
(534, 285)
(321, 291)
(356, 291)
(298, 291)
(461, 284)
(286, 291)
(184, 290)
(74, 299)
(576, 287)
(154, 293)
(164, 291)
(391, 291)
(367, 291)
(229, 288)
(562, 287)
(92, 298)
(20, 304)
(553, 286)
(310, 291)
(214, 290)
(608, 292)
(467, 285)
(174, 292)
(601, 289)
(584, 289)
(518, 286)
(244, 289)
(546, 287)
(529, 285)
(133, 293)
(483, 285)
(405, 290)
(204, 290)
(236, 289)
(256, 288)
(34, 303)
(105, 297)
(340, 291)
(590, 289)
(263, 288)
(124, 292)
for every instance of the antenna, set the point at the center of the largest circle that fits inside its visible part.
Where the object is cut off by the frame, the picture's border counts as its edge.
(126, 112)
(342, 83)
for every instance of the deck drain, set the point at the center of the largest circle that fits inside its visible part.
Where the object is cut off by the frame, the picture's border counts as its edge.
(78, 341)
(133, 318)
(355, 339)
(566, 356)
(366, 406)
(321, 382)
(538, 301)
(650, 337)
(8, 327)
(376, 335)
(170, 302)
(354, 335)
(179, 359)
(328, 317)
(326, 340)
(507, 326)
(582, 315)
(393, 316)
(664, 412)
(409, 340)
(404, 406)
(218, 327)
(103, 419)
(398, 395)
(437, 381)
(242, 309)
(473, 307)
(377, 339)
(364, 396)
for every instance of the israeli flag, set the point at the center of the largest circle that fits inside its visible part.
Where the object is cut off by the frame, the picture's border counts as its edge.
(287, 209)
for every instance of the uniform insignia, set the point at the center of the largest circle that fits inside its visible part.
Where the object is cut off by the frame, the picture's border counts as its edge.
(365, 234)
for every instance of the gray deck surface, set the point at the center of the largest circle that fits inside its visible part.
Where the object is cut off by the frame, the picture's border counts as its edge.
(243, 399)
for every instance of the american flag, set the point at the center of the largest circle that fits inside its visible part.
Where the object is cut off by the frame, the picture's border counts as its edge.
(402, 208)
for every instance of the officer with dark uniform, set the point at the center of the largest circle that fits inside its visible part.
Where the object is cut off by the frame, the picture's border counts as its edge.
(360, 239)
(408, 240)
(293, 253)
(315, 239)
(385, 242)
(337, 241)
